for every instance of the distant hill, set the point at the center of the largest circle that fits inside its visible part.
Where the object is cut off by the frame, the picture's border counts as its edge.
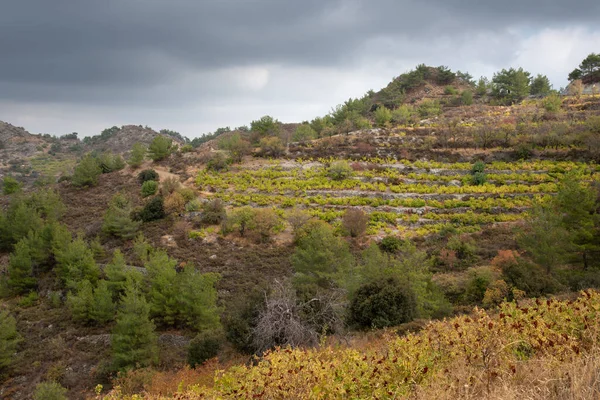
(120, 140)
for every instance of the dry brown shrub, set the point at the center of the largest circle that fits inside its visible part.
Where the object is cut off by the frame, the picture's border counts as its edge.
(355, 222)
(174, 203)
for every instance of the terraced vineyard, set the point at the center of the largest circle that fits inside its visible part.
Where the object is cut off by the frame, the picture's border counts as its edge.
(410, 198)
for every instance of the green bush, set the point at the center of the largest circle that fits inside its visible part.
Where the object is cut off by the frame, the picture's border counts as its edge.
(193, 205)
(153, 210)
(20, 269)
(109, 162)
(160, 148)
(382, 303)
(86, 172)
(403, 114)
(271, 146)
(149, 188)
(213, 212)
(478, 178)
(552, 103)
(383, 116)
(117, 219)
(339, 170)
(304, 132)
(478, 166)
(218, 162)
(137, 155)
(204, 346)
(466, 97)
(9, 339)
(148, 175)
(530, 278)
(10, 185)
(237, 146)
(29, 301)
(187, 148)
(134, 341)
(429, 108)
(49, 391)
(450, 90)
(391, 244)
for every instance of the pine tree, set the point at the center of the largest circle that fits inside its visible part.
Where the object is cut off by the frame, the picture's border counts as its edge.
(86, 172)
(80, 302)
(197, 299)
(138, 153)
(117, 220)
(74, 261)
(163, 287)
(9, 339)
(20, 269)
(102, 308)
(134, 342)
(160, 148)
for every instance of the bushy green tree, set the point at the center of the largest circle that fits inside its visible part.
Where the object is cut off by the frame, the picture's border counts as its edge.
(204, 346)
(162, 296)
(188, 298)
(49, 390)
(577, 204)
(117, 273)
(383, 116)
(109, 162)
(160, 148)
(134, 342)
(47, 203)
(117, 219)
(271, 146)
(339, 170)
(103, 307)
(237, 146)
(74, 261)
(304, 132)
(466, 97)
(544, 238)
(20, 269)
(10, 185)
(382, 303)
(153, 210)
(512, 85)
(265, 126)
(482, 86)
(80, 301)
(197, 299)
(149, 188)
(148, 175)
(540, 85)
(241, 219)
(9, 339)
(16, 223)
(403, 114)
(137, 155)
(321, 257)
(408, 265)
(86, 172)
(589, 69)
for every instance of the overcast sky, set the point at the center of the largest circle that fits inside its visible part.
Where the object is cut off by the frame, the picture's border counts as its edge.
(196, 65)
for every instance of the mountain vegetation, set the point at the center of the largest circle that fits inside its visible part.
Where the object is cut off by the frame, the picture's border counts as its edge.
(438, 238)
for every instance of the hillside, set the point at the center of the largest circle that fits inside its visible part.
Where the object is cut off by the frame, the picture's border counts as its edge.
(411, 209)
(539, 350)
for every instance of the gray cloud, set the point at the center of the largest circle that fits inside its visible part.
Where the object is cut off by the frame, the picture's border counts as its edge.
(174, 54)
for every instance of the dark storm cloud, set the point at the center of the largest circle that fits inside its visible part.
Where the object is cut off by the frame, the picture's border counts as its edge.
(171, 53)
(130, 42)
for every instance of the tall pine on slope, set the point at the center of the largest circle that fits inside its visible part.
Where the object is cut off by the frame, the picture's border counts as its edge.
(9, 339)
(134, 342)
